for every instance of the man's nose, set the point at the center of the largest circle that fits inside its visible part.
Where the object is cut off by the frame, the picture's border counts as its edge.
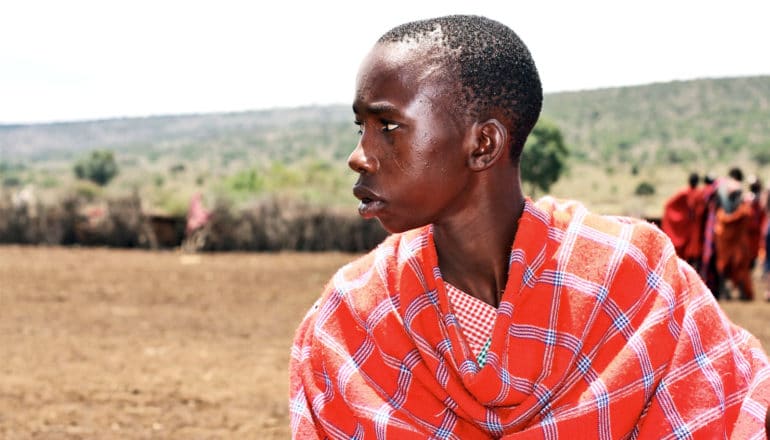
(361, 162)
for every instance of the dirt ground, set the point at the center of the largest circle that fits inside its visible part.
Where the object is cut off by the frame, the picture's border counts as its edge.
(130, 344)
(98, 343)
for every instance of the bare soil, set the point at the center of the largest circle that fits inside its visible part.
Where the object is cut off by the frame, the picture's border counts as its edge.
(98, 343)
(131, 344)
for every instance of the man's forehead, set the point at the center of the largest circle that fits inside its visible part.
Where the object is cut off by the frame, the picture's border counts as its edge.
(426, 43)
(418, 60)
(423, 50)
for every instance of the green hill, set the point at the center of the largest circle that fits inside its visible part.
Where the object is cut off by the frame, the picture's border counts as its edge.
(700, 121)
(682, 121)
(281, 133)
(618, 138)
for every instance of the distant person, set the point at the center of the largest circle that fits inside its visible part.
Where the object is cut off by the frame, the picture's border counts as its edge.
(196, 227)
(697, 203)
(708, 265)
(731, 238)
(197, 215)
(683, 217)
(756, 220)
(486, 314)
(766, 229)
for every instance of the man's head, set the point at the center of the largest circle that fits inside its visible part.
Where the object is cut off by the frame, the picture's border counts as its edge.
(491, 65)
(693, 180)
(736, 174)
(755, 184)
(444, 107)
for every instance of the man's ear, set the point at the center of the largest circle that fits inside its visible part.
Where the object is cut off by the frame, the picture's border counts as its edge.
(490, 144)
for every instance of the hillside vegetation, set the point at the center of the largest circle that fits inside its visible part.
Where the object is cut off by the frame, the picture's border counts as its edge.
(694, 122)
(618, 138)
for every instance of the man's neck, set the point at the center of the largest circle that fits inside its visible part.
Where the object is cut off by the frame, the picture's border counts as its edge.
(474, 252)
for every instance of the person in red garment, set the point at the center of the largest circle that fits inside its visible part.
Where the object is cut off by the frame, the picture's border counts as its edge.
(697, 201)
(683, 218)
(486, 314)
(731, 237)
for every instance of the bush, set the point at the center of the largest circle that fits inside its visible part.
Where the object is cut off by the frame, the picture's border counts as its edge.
(284, 224)
(35, 223)
(99, 167)
(644, 189)
(544, 157)
(271, 225)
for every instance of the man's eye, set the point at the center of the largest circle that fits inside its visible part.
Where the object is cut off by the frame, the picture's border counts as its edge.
(389, 126)
(360, 127)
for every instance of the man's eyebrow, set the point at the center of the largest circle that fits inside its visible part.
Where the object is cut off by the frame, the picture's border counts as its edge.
(376, 108)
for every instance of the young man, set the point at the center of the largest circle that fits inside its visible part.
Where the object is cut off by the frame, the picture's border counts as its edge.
(486, 315)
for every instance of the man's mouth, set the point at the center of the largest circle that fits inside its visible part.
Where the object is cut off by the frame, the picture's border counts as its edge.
(369, 208)
(371, 204)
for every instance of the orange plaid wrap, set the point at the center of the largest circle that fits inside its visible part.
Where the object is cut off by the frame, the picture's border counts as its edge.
(601, 333)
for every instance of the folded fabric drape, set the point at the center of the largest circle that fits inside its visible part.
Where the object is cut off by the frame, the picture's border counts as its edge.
(602, 333)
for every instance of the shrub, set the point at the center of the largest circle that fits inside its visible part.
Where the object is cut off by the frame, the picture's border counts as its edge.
(99, 167)
(35, 223)
(271, 225)
(10, 181)
(285, 224)
(644, 189)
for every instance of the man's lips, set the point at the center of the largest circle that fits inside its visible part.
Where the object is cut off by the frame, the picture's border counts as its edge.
(370, 204)
(363, 193)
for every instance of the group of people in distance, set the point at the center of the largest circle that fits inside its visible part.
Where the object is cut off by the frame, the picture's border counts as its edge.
(721, 230)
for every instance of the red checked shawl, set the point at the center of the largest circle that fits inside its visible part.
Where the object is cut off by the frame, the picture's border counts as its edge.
(601, 333)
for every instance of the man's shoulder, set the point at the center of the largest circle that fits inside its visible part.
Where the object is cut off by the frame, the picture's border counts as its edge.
(564, 213)
(630, 254)
(375, 268)
(383, 254)
(365, 282)
(578, 223)
(365, 262)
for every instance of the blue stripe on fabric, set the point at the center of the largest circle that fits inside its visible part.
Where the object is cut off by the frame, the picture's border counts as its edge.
(583, 364)
(545, 398)
(558, 278)
(682, 432)
(621, 321)
(702, 360)
(602, 400)
(653, 280)
(445, 346)
(528, 275)
(432, 296)
(648, 380)
(442, 433)
(493, 425)
(550, 337)
(602, 294)
(505, 377)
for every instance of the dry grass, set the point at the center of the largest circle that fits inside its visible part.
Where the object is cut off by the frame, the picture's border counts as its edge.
(611, 190)
(99, 343)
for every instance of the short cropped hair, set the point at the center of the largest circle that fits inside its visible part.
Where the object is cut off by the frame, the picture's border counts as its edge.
(494, 67)
(693, 180)
(736, 174)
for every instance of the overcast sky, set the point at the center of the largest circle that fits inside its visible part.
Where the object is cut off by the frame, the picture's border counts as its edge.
(77, 59)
